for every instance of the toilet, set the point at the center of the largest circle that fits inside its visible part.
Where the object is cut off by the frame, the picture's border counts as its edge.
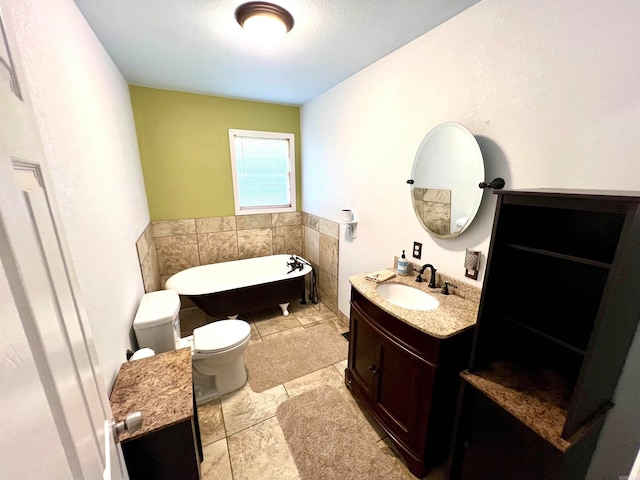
(216, 348)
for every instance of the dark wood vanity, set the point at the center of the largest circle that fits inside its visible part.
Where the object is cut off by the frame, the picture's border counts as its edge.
(557, 315)
(168, 445)
(407, 379)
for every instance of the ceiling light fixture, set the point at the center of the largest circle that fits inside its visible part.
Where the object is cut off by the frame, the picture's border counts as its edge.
(264, 19)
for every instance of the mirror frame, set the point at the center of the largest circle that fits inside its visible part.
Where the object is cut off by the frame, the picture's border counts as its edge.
(437, 154)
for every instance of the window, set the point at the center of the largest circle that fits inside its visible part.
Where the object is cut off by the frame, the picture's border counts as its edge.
(263, 165)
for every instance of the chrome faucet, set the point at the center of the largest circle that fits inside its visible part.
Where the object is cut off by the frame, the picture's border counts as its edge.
(432, 280)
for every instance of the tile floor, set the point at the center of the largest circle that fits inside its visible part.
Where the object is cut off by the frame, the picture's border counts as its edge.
(241, 437)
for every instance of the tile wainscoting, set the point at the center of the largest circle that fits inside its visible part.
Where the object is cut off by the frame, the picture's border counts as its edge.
(148, 258)
(170, 246)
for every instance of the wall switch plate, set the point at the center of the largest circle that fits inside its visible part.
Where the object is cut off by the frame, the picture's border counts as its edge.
(417, 250)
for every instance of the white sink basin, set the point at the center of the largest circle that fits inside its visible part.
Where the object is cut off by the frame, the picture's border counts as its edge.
(406, 297)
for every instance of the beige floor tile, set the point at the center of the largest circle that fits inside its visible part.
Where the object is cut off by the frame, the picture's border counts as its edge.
(340, 366)
(216, 464)
(326, 376)
(283, 332)
(211, 422)
(245, 408)
(262, 314)
(277, 324)
(311, 313)
(261, 452)
(332, 322)
(255, 335)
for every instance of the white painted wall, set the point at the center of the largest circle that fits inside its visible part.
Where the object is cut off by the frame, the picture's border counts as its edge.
(550, 89)
(84, 112)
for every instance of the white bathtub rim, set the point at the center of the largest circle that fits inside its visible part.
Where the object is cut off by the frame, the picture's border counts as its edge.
(232, 275)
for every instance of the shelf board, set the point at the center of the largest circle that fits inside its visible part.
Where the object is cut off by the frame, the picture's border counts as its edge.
(537, 398)
(546, 336)
(562, 256)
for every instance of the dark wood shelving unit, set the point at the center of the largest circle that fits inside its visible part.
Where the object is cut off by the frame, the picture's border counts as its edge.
(556, 319)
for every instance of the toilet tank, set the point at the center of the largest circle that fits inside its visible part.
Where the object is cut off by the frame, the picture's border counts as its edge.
(157, 323)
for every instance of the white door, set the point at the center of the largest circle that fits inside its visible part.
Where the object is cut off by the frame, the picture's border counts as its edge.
(54, 410)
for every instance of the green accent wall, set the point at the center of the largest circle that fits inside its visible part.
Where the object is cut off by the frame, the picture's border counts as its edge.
(183, 140)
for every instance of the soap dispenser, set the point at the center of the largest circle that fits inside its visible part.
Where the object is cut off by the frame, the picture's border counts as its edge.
(403, 265)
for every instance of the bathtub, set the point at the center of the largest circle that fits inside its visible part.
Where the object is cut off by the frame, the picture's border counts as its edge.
(230, 288)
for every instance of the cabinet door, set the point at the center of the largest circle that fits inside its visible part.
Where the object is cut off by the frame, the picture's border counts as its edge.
(362, 352)
(401, 379)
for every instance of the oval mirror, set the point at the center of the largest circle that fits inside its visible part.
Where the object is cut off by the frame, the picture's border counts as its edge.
(446, 172)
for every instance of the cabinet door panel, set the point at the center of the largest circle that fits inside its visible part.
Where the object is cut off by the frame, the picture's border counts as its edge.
(362, 354)
(401, 378)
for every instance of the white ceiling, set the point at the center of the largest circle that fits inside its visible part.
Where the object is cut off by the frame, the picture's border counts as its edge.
(197, 46)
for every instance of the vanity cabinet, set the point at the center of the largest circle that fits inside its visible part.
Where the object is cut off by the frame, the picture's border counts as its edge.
(407, 379)
(160, 387)
(557, 316)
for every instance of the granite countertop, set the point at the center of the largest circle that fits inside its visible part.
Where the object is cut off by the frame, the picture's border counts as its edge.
(454, 314)
(539, 398)
(159, 386)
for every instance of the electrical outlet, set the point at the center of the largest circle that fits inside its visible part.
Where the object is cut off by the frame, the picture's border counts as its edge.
(417, 250)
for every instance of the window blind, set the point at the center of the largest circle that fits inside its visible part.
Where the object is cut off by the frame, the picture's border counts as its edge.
(263, 173)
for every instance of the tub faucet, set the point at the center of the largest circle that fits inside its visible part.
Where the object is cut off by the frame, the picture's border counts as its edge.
(432, 280)
(295, 264)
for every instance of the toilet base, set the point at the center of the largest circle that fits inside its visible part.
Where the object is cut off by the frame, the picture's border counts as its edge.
(230, 377)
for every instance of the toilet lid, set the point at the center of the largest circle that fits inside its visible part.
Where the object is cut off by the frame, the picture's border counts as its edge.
(220, 335)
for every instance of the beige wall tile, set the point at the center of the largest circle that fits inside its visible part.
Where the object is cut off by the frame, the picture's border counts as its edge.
(255, 243)
(217, 247)
(177, 253)
(309, 220)
(215, 224)
(437, 195)
(163, 280)
(329, 228)
(248, 222)
(287, 240)
(328, 290)
(418, 193)
(142, 246)
(307, 278)
(437, 217)
(289, 218)
(311, 245)
(165, 228)
(328, 260)
(418, 207)
(151, 271)
(148, 234)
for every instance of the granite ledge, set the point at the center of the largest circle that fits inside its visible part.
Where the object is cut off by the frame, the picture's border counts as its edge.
(453, 315)
(539, 399)
(159, 386)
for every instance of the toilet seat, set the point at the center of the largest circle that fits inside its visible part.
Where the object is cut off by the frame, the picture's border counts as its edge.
(220, 336)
